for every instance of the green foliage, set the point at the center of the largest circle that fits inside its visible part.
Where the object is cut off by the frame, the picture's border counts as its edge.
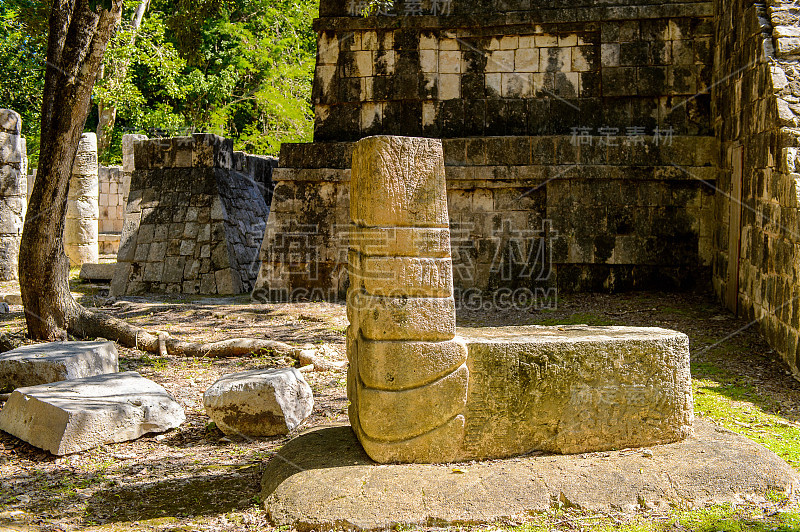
(22, 58)
(240, 69)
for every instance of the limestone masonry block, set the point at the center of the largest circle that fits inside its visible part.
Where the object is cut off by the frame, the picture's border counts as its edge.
(13, 191)
(573, 389)
(71, 416)
(259, 403)
(97, 271)
(35, 364)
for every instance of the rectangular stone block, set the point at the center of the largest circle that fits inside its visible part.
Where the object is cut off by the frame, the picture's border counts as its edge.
(395, 193)
(395, 318)
(71, 416)
(36, 364)
(11, 150)
(392, 365)
(402, 276)
(400, 241)
(574, 389)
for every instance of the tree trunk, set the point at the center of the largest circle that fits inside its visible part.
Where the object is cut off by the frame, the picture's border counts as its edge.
(107, 112)
(78, 35)
(78, 38)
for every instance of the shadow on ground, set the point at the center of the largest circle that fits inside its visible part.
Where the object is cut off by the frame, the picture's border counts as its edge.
(182, 497)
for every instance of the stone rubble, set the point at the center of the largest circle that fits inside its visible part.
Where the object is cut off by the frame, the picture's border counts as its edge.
(259, 403)
(35, 364)
(71, 416)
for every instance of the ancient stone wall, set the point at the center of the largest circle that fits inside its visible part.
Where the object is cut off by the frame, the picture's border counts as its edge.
(112, 208)
(515, 70)
(13, 162)
(572, 136)
(527, 214)
(756, 106)
(193, 223)
(258, 169)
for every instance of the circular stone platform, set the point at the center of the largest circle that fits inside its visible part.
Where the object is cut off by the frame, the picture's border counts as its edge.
(323, 479)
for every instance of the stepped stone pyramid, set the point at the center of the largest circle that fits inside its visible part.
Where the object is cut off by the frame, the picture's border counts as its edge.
(577, 137)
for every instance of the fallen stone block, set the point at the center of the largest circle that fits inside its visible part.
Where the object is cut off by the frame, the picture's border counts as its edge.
(13, 299)
(91, 271)
(71, 416)
(36, 364)
(259, 403)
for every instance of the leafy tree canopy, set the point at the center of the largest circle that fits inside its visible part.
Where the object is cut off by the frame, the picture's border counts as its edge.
(239, 68)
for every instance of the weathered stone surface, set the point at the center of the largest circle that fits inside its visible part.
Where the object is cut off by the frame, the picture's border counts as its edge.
(575, 389)
(81, 227)
(128, 161)
(10, 122)
(323, 479)
(575, 144)
(405, 318)
(403, 365)
(755, 248)
(13, 185)
(103, 271)
(259, 403)
(403, 304)
(75, 415)
(35, 364)
(399, 415)
(418, 395)
(194, 221)
(400, 182)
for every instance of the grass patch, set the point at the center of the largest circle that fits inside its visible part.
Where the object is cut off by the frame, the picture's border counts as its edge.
(721, 518)
(737, 405)
(157, 363)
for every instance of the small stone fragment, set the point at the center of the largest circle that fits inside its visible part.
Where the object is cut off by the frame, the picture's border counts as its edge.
(97, 271)
(13, 299)
(75, 415)
(260, 402)
(36, 364)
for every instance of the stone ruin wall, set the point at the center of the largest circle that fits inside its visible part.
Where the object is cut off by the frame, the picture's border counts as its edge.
(112, 208)
(756, 107)
(517, 69)
(194, 220)
(553, 122)
(113, 183)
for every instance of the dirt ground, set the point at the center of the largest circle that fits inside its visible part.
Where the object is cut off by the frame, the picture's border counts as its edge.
(196, 478)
